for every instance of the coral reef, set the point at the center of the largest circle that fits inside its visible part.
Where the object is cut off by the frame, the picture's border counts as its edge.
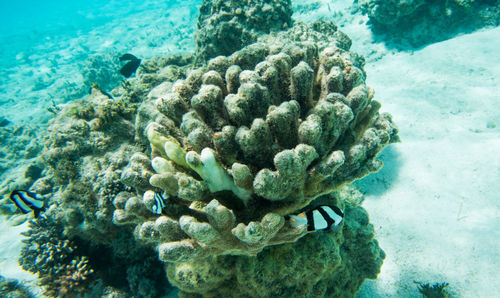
(72, 267)
(437, 290)
(419, 22)
(326, 264)
(230, 149)
(226, 26)
(322, 33)
(245, 141)
(89, 142)
(101, 69)
(61, 271)
(19, 142)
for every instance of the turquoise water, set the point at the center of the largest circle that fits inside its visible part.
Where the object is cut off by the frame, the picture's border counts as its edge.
(46, 48)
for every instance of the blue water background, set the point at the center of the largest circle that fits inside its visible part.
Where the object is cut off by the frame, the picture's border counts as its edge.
(44, 45)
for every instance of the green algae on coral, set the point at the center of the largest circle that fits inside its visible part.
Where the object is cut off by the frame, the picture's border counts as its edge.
(253, 137)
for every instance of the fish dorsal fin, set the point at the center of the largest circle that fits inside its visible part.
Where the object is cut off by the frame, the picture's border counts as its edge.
(128, 57)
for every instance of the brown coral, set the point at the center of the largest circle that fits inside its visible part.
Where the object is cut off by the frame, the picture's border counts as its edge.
(61, 271)
(326, 264)
(244, 142)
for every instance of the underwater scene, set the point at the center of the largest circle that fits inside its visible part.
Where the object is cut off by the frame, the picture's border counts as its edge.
(250, 148)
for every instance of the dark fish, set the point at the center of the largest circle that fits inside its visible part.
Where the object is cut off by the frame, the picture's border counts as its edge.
(320, 218)
(27, 201)
(131, 66)
(4, 121)
(159, 203)
(127, 57)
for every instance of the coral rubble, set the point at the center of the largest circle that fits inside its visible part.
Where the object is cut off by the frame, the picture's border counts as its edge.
(420, 22)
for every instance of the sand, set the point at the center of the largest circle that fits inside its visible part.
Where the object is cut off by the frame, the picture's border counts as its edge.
(435, 204)
(10, 239)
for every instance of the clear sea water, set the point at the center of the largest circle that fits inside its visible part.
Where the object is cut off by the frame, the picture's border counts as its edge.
(46, 46)
(434, 206)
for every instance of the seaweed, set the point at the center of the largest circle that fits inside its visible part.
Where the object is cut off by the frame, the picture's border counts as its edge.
(437, 290)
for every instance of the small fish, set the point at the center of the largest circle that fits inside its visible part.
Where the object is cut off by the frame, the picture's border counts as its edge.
(131, 66)
(95, 86)
(159, 203)
(320, 218)
(27, 201)
(4, 121)
(127, 57)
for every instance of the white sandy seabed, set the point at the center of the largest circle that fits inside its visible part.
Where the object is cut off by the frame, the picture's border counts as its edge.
(435, 204)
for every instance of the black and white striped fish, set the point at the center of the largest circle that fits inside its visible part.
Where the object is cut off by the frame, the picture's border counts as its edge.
(319, 218)
(159, 203)
(27, 201)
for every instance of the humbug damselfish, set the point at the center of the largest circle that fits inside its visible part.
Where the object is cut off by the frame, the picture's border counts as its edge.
(319, 218)
(159, 204)
(27, 201)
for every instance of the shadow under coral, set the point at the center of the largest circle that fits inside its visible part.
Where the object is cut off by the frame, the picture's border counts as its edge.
(378, 183)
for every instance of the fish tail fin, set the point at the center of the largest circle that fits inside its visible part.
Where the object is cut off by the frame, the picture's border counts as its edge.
(37, 211)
